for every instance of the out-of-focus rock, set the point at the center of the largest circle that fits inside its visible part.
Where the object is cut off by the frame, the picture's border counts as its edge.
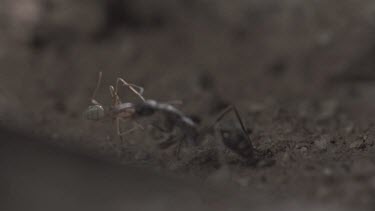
(242, 181)
(363, 168)
(328, 109)
(29, 21)
(19, 17)
(222, 176)
(358, 144)
(64, 21)
(322, 142)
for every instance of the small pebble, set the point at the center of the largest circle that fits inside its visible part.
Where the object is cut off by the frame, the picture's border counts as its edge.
(243, 181)
(323, 191)
(141, 155)
(349, 128)
(359, 144)
(322, 142)
(286, 157)
(303, 149)
(327, 172)
(256, 107)
(221, 176)
(328, 109)
(363, 168)
(266, 163)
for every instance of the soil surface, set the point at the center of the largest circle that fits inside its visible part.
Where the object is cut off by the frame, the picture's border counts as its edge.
(301, 75)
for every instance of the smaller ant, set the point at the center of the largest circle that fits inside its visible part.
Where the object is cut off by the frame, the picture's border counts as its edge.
(234, 138)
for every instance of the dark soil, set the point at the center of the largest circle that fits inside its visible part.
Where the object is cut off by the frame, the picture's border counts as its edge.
(300, 73)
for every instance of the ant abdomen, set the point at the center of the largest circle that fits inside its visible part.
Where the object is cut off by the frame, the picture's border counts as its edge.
(94, 113)
(236, 141)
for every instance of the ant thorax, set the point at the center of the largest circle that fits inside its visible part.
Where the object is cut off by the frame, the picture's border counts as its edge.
(123, 106)
(123, 110)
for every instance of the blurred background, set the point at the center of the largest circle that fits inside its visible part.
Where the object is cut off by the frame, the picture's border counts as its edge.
(301, 73)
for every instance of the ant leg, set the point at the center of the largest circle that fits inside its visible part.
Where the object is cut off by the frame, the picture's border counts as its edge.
(167, 143)
(242, 125)
(225, 112)
(115, 98)
(118, 130)
(222, 114)
(171, 140)
(159, 128)
(140, 91)
(93, 100)
(238, 116)
(132, 87)
(137, 124)
(121, 133)
(179, 145)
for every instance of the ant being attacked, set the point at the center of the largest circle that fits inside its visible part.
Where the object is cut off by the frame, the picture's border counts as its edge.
(122, 111)
(232, 137)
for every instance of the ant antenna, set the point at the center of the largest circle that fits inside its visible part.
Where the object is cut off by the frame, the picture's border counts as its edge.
(96, 89)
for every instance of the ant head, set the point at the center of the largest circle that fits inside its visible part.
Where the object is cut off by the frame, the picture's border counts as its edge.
(94, 113)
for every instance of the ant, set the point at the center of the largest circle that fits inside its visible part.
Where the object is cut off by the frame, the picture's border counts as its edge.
(122, 111)
(235, 139)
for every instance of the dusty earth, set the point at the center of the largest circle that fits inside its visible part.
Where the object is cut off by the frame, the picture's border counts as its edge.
(300, 73)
